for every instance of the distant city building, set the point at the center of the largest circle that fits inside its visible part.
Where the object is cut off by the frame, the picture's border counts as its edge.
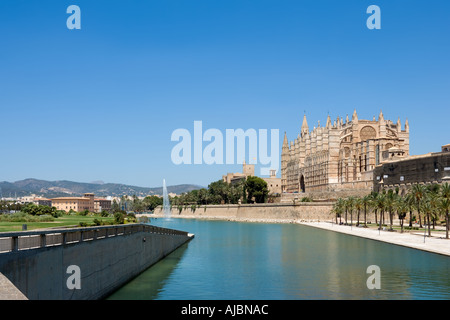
(102, 205)
(247, 171)
(75, 203)
(273, 183)
(433, 167)
(42, 202)
(26, 199)
(340, 155)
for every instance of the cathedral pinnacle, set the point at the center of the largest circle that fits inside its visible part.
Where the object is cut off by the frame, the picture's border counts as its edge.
(305, 128)
(285, 141)
(381, 117)
(328, 125)
(354, 116)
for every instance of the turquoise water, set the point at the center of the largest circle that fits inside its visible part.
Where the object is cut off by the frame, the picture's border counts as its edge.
(235, 260)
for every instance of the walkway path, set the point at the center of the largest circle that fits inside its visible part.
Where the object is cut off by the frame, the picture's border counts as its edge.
(413, 240)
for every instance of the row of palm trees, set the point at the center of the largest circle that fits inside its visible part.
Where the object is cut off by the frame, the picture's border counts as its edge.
(429, 202)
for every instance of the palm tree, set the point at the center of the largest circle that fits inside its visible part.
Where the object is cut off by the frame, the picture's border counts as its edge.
(346, 207)
(418, 192)
(389, 204)
(409, 199)
(350, 203)
(444, 205)
(339, 209)
(373, 198)
(358, 206)
(433, 197)
(402, 207)
(380, 204)
(445, 200)
(434, 192)
(366, 202)
(427, 207)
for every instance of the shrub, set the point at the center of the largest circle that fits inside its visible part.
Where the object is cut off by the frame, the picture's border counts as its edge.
(83, 213)
(24, 217)
(104, 214)
(119, 218)
(131, 217)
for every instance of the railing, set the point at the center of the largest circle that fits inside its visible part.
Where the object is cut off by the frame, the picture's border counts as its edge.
(25, 240)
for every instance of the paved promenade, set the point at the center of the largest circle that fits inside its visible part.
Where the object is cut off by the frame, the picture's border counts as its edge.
(435, 244)
(8, 291)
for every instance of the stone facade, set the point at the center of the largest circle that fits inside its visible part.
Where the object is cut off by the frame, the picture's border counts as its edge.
(102, 205)
(77, 204)
(273, 183)
(340, 155)
(247, 171)
(433, 167)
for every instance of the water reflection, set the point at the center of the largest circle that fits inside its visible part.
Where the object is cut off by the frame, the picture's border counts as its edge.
(230, 260)
(149, 284)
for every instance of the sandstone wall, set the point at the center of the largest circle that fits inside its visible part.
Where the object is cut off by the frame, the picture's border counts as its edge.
(269, 212)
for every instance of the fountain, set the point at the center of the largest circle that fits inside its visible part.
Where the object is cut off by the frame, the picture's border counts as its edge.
(166, 202)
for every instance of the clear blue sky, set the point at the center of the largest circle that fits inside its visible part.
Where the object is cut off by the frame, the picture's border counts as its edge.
(101, 103)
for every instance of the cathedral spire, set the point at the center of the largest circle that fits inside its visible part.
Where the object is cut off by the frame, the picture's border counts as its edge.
(381, 117)
(304, 129)
(354, 116)
(328, 125)
(285, 141)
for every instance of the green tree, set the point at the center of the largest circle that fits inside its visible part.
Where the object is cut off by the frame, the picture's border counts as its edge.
(218, 191)
(366, 203)
(373, 203)
(338, 209)
(115, 206)
(203, 196)
(418, 191)
(410, 203)
(358, 204)
(380, 205)
(151, 202)
(401, 206)
(389, 205)
(257, 189)
(444, 205)
(445, 201)
(426, 207)
(119, 217)
(349, 206)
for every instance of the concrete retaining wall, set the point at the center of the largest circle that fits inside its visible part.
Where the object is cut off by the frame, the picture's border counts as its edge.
(105, 264)
(270, 212)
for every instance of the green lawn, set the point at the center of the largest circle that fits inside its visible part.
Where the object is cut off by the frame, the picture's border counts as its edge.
(66, 220)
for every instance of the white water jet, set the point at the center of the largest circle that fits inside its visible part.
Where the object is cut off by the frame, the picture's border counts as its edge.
(166, 202)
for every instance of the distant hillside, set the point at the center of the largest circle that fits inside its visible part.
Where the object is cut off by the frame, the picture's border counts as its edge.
(51, 189)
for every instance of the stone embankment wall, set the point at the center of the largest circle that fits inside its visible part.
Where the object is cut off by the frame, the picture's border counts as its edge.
(107, 258)
(267, 212)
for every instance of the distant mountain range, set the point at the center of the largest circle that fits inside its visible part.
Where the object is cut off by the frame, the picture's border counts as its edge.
(52, 189)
